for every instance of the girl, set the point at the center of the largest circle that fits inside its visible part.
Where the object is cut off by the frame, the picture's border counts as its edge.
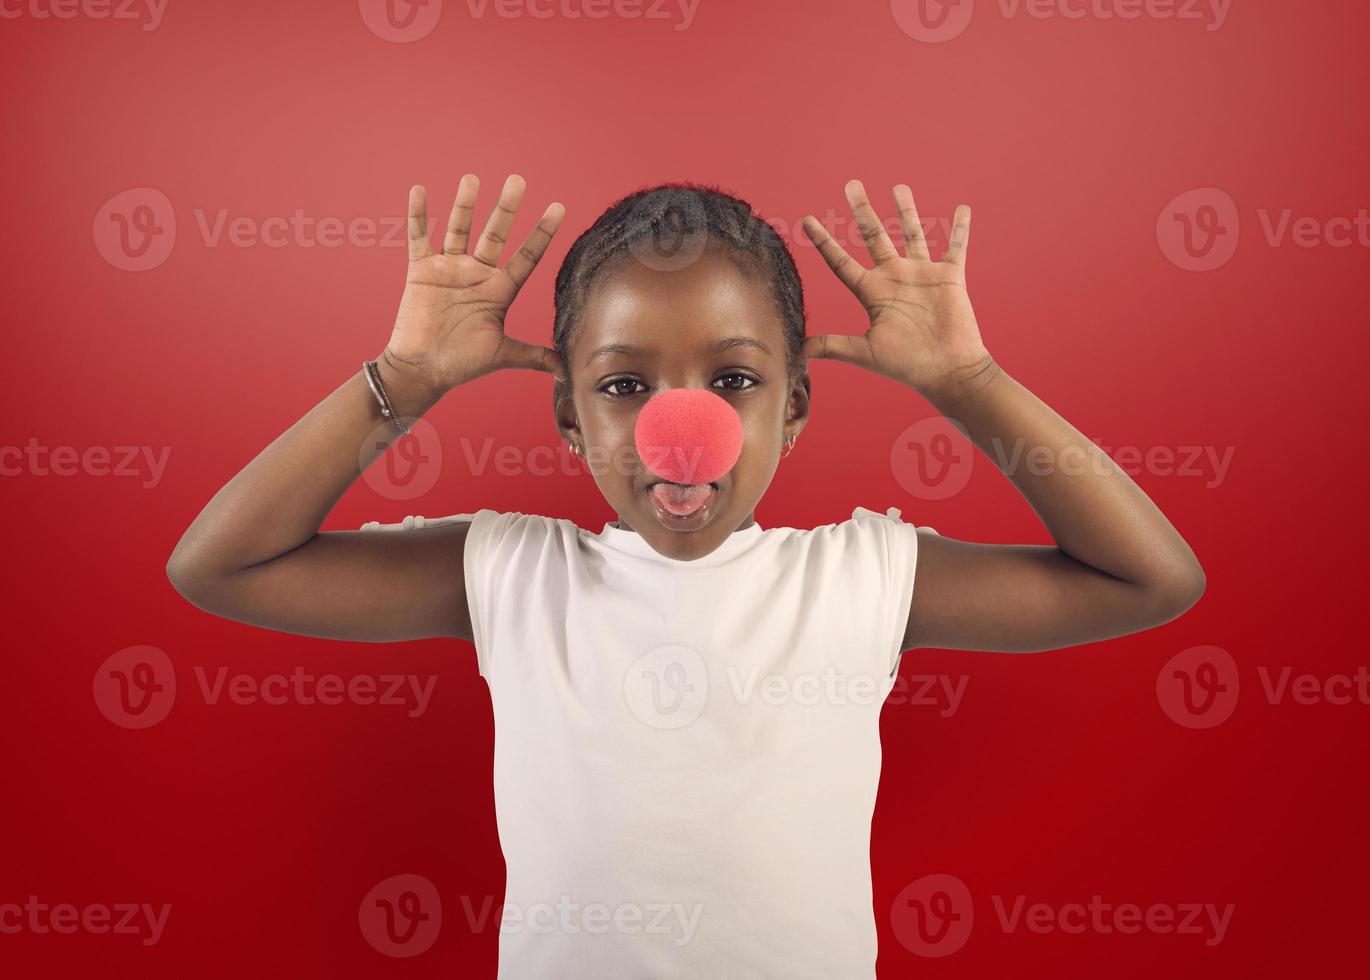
(686, 704)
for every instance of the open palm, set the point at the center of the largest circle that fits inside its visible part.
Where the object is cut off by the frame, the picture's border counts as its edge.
(450, 325)
(922, 328)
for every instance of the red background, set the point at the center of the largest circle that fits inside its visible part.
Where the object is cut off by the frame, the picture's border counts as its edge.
(1058, 778)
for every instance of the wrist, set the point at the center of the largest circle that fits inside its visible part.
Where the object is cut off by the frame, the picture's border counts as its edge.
(956, 386)
(410, 392)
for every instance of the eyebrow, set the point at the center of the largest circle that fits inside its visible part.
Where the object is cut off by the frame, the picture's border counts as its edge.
(628, 350)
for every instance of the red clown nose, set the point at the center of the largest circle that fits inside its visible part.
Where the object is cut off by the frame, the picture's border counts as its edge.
(688, 435)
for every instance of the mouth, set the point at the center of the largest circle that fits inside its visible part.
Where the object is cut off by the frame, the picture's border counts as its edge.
(682, 506)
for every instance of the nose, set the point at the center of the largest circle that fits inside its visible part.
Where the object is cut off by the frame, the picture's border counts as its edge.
(688, 435)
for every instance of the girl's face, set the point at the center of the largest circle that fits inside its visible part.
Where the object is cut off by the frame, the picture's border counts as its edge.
(644, 331)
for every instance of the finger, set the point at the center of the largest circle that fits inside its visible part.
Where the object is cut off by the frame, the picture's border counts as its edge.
(838, 347)
(872, 231)
(501, 219)
(915, 243)
(521, 266)
(960, 237)
(459, 221)
(531, 357)
(419, 246)
(846, 268)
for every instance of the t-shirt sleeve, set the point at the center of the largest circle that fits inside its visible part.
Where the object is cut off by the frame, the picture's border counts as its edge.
(900, 547)
(482, 568)
(484, 539)
(512, 559)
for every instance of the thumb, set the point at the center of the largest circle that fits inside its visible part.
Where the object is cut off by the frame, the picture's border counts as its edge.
(838, 347)
(531, 357)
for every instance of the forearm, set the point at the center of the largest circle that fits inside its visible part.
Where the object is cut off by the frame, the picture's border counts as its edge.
(1094, 511)
(280, 499)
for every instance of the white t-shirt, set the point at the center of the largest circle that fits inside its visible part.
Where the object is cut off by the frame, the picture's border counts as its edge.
(687, 752)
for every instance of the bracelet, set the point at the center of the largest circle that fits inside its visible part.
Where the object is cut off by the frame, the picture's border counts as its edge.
(373, 378)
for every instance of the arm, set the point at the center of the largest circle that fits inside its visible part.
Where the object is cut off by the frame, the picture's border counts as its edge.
(1118, 566)
(255, 554)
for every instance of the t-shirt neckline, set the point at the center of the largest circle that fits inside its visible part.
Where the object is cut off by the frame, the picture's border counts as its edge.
(634, 543)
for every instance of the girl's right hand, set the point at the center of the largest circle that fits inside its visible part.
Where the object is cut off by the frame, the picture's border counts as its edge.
(450, 326)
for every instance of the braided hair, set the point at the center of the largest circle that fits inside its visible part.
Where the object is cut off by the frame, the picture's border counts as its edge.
(667, 227)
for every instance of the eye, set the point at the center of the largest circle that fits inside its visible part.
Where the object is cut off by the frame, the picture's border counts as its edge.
(608, 388)
(751, 382)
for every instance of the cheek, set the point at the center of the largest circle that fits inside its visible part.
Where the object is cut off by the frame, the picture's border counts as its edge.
(604, 424)
(762, 421)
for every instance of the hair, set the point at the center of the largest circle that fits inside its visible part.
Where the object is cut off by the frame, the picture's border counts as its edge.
(667, 226)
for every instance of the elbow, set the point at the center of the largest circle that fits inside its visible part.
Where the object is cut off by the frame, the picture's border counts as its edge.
(182, 578)
(1177, 594)
(188, 579)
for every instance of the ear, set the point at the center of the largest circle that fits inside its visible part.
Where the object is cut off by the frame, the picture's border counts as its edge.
(798, 404)
(564, 413)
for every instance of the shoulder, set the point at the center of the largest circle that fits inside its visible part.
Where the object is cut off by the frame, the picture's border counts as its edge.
(490, 531)
(866, 533)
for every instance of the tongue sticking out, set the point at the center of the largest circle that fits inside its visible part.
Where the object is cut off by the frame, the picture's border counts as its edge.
(679, 500)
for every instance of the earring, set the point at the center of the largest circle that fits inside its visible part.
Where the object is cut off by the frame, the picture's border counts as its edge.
(788, 447)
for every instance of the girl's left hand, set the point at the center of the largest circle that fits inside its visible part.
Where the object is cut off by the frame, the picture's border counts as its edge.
(922, 329)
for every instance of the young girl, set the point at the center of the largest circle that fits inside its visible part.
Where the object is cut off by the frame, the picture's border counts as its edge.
(686, 707)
